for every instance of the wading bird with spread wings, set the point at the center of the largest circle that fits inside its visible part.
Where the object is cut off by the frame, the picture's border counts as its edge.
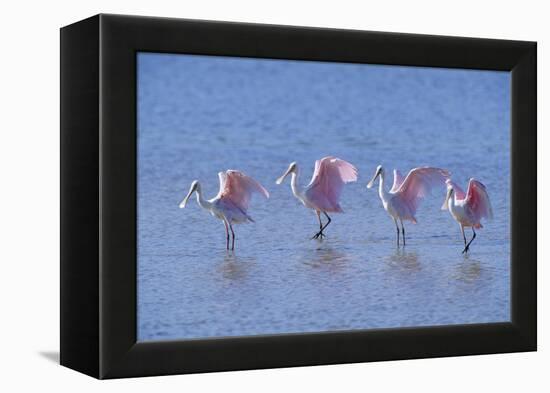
(322, 194)
(468, 208)
(403, 199)
(231, 203)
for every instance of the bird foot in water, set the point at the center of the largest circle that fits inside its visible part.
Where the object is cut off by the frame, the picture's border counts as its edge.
(319, 235)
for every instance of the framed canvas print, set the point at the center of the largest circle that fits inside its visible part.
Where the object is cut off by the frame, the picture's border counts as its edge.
(239, 196)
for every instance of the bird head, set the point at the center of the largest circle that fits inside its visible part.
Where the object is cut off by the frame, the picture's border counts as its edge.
(292, 168)
(195, 186)
(379, 172)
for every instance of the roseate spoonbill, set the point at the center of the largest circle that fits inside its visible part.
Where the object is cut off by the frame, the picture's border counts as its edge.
(468, 208)
(322, 194)
(231, 203)
(404, 197)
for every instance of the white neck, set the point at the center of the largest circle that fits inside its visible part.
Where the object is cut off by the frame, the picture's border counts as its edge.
(296, 189)
(201, 201)
(384, 195)
(452, 200)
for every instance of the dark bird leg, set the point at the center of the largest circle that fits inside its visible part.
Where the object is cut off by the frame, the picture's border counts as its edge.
(397, 229)
(402, 231)
(326, 225)
(467, 248)
(226, 235)
(464, 237)
(233, 234)
(320, 225)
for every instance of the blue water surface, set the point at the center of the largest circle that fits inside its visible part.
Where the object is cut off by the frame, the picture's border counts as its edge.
(198, 115)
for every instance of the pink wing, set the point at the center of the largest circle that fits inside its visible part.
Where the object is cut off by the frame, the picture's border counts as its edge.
(418, 183)
(237, 188)
(477, 201)
(329, 177)
(397, 180)
(460, 194)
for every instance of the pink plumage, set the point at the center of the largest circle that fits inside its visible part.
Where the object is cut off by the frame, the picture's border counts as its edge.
(236, 190)
(397, 180)
(322, 194)
(478, 200)
(417, 185)
(460, 194)
(468, 208)
(476, 203)
(324, 190)
(402, 201)
(231, 203)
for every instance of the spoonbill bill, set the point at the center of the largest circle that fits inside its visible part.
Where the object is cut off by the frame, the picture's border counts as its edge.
(406, 193)
(468, 208)
(231, 203)
(322, 194)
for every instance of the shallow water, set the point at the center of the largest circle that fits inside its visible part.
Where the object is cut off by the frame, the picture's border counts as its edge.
(199, 115)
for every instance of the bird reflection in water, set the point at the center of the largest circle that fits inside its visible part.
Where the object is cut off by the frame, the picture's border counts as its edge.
(406, 260)
(327, 258)
(234, 267)
(468, 270)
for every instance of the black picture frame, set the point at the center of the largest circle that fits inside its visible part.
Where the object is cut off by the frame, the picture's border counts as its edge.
(98, 196)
